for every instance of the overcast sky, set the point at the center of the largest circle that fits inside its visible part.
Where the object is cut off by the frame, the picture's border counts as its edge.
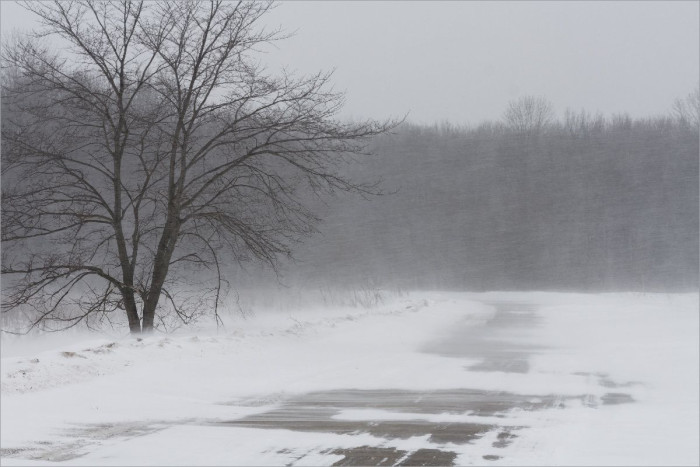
(463, 61)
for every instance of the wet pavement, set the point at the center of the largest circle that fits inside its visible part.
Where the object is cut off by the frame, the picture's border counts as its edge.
(496, 345)
(319, 412)
(367, 455)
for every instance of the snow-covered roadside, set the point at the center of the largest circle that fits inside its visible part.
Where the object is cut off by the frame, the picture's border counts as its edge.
(644, 345)
(374, 331)
(122, 401)
(161, 379)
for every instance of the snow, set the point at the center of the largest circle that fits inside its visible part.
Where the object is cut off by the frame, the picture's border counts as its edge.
(87, 399)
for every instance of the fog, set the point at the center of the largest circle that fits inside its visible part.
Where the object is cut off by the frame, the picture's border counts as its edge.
(510, 146)
(349, 233)
(581, 209)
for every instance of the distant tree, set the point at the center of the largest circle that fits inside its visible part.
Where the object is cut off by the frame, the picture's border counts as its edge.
(528, 115)
(687, 110)
(621, 121)
(583, 123)
(151, 149)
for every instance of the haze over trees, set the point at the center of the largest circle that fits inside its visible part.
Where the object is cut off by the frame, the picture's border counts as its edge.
(150, 155)
(584, 202)
(150, 147)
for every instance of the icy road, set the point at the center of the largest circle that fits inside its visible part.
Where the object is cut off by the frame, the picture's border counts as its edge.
(425, 379)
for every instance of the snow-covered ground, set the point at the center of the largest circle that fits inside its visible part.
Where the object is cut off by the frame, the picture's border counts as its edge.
(576, 379)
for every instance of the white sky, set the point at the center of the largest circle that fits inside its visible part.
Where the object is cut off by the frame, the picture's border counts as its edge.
(463, 61)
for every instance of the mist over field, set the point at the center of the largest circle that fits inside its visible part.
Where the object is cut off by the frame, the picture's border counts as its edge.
(350, 233)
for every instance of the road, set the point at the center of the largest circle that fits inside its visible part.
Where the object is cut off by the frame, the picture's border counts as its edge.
(378, 426)
(495, 346)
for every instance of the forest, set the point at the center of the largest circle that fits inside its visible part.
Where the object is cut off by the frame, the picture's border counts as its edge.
(583, 202)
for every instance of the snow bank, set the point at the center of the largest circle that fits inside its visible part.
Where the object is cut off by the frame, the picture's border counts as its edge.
(185, 376)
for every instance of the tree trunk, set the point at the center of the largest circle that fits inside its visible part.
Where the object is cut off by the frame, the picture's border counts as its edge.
(131, 312)
(161, 265)
(149, 308)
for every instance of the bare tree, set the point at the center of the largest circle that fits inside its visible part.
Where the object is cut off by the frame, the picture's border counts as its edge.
(529, 115)
(687, 110)
(152, 148)
(583, 124)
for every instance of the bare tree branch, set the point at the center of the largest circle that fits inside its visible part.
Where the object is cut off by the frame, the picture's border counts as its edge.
(152, 149)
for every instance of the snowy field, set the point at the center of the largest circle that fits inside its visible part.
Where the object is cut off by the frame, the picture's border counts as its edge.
(494, 378)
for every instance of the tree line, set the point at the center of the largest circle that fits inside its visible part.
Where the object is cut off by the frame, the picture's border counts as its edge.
(583, 202)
